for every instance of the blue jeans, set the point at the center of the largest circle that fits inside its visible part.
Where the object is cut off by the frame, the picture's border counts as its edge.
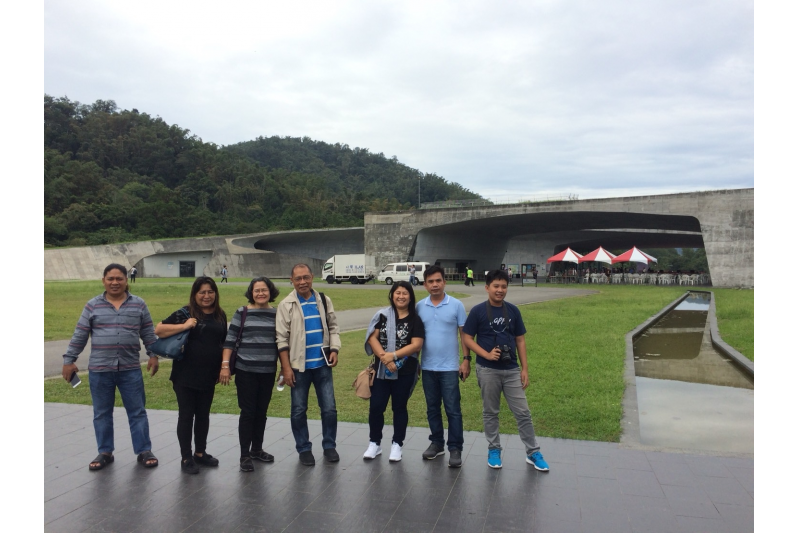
(322, 378)
(131, 389)
(442, 387)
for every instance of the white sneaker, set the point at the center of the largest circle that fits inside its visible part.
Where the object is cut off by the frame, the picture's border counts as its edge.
(397, 452)
(373, 451)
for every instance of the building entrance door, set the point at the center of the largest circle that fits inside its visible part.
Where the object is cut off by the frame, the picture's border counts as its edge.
(187, 269)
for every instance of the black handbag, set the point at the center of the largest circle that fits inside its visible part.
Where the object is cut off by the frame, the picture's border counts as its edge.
(172, 347)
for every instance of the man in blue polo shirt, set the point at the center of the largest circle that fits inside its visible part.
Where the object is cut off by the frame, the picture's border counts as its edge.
(500, 338)
(443, 317)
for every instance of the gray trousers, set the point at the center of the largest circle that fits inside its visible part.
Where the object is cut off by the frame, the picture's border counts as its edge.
(492, 382)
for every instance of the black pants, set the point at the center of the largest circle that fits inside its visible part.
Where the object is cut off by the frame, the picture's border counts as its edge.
(193, 409)
(399, 390)
(254, 392)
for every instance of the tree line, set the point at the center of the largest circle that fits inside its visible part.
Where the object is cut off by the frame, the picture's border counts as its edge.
(115, 175)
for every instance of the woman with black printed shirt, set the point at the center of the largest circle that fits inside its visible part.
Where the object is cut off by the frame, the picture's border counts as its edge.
(194, 376)
(395, 335)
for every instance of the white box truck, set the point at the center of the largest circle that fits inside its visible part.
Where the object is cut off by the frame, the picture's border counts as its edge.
(350, 267)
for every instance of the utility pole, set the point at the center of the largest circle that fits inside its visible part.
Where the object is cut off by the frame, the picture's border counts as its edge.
(419, 191)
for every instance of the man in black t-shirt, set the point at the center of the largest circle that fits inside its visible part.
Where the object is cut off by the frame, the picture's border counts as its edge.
(500, 337)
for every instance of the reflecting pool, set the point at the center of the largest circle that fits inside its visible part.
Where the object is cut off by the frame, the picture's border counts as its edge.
(690, 395)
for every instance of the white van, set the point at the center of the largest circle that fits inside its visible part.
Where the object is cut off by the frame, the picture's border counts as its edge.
(399, 272)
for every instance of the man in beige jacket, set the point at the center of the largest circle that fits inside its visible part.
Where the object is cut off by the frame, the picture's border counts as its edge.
(308, 345)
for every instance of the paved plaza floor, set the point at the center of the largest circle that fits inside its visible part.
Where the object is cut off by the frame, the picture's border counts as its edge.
(592, 486)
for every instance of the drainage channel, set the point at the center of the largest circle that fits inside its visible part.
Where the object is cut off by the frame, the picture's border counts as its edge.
(691, 396)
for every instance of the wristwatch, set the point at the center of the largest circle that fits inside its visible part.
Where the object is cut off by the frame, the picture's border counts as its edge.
(468, 358)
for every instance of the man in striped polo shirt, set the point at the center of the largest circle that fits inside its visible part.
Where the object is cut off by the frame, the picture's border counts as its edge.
(305, 329)
(115, 320)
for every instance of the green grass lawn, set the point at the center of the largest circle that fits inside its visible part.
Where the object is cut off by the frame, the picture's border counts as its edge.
(736, 319)
(576, 357)
(64, 301)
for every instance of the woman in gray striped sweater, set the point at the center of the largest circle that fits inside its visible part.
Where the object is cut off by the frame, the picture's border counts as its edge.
(256, 365)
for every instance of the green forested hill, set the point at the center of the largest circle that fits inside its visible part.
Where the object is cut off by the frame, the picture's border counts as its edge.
(116, 175)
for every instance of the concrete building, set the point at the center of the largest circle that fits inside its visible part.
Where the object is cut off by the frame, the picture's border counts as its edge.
(483, 236)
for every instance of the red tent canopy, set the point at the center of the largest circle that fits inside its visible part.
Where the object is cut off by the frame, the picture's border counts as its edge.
(567, 255)
(634, 255)
(601, 254)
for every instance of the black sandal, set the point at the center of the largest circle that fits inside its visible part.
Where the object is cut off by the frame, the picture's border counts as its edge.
(261, 455)
(102, 460)
(246, 464)
(206, 459)
(147, 456)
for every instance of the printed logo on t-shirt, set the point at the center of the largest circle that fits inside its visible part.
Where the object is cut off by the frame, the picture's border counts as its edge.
(401, 332)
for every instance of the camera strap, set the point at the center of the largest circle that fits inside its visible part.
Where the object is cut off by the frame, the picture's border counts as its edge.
(506, 320)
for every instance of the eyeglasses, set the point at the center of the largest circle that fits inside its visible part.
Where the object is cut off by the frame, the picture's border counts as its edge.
(260, 291)
(207, 293)
(303, 278)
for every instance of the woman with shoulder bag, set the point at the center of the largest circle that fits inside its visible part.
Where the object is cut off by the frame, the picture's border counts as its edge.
(395, 336)
(256, 362)
(194, 376)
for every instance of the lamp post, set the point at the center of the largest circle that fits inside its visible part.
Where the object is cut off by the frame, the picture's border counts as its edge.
(419, 191)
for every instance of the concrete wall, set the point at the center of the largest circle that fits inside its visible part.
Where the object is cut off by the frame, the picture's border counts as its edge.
(152, 257)
(723, 219)
(167, 265)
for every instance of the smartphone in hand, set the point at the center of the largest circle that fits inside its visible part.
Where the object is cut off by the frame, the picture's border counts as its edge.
(74, 380)
(327, 356)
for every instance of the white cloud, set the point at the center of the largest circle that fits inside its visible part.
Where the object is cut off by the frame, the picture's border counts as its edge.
(552, 96)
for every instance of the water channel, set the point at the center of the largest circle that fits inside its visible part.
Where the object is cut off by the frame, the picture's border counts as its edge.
(691, 396)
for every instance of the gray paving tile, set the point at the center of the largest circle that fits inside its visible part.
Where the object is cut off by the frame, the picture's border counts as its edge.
(592, 486)
(669, 473)
(600, 495)
(708, 466)
(594, 466)
(307, 522)
(652, 520)
(369, 517)
(739, 518)
(557, 511)
(639, 482)
(397, 525)
(697, 509)
(690, 524)
(461, 520)
(507, 515)
(600, 522)
(630, 460)
(584, 447)
(561, 475)
(725, 490)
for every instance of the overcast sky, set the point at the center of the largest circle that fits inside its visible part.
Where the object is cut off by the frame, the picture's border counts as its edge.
(529, 98)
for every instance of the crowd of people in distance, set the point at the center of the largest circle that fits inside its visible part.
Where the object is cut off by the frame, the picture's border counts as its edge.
(297, 341)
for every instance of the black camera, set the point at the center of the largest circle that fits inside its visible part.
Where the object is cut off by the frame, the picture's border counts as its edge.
(505, 354)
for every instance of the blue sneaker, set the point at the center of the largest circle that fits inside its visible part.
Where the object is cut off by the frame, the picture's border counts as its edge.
(494, 459)
(537, 461)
